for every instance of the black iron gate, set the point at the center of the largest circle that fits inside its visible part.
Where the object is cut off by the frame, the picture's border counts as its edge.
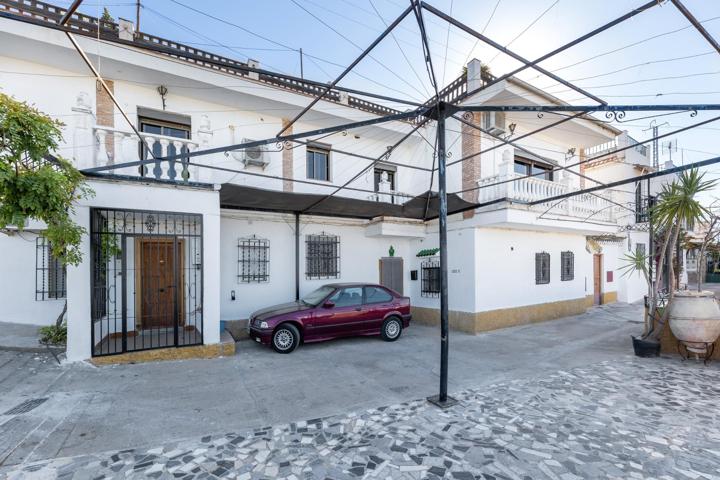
(147, 280)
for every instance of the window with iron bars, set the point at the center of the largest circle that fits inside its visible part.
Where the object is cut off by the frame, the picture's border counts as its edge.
(322, 256)
(430, 278)
(542, 268)
(253, 260)
(567, 266)
(49, 272)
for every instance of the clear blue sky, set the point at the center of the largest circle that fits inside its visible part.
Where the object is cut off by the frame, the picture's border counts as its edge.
(630, 66)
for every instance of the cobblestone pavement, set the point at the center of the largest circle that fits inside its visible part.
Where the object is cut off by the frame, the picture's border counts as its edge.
(631, 418)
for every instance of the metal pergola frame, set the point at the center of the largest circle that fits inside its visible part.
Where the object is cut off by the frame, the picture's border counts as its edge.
(438, 110)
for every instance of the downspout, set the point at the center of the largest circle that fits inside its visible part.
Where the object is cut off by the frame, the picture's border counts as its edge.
(297, 256)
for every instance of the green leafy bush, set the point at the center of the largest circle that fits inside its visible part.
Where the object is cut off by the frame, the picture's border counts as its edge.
(54, 334)
(34, 185)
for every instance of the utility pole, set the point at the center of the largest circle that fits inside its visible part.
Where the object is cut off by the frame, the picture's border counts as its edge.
(656, 143)
(137, 16)
(442, 400)
(301, 65)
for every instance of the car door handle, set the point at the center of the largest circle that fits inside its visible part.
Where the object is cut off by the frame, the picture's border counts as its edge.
(358, 309)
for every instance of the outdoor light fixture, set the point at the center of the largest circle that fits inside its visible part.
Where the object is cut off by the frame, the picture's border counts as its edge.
(162, 90)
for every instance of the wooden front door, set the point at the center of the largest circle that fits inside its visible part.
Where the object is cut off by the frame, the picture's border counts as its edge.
(597, 279)
(157, 278)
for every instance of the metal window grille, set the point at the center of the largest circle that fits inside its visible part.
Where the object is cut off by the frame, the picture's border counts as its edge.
(430, 278)
(147, 280)
(253, 260)
(322, 256)
(567, 266)
(49, 272)
(542, 268)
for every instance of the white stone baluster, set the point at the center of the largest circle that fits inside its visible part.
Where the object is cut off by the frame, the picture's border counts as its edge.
(148, 167)
(161, 167)
(175, 167)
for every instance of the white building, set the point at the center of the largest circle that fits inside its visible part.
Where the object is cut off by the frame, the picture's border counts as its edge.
(175, 251)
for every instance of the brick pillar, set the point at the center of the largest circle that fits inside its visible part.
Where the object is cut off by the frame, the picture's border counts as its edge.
(105, 114)
(287, 161)
(582, 158)
(471, 166)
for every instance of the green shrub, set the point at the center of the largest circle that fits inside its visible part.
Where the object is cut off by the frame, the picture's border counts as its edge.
(54, 334)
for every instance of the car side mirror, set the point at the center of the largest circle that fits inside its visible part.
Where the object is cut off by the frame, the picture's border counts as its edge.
(329, 304)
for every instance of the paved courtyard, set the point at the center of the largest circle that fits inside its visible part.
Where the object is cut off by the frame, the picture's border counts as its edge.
(558, 400)
(623, 419)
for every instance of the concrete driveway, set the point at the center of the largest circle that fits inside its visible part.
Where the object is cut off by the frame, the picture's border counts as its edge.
(89, 409)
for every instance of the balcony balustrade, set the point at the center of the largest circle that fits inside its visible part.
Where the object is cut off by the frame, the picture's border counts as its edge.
(518, 188)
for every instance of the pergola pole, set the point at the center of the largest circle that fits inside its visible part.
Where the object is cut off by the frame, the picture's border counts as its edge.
(442, 400)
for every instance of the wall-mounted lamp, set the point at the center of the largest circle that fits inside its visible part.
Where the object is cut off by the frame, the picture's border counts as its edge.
(232, 295)
(162, 90)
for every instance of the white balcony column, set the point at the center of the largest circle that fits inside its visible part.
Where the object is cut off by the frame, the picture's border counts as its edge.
(194, 175)
(507, 171)
(101, 153)
(83, 138)
(117, 141)
(128, 151)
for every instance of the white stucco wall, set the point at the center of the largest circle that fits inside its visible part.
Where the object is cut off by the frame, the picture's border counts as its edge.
(506, 268)
(18, 283)
(143, 197)
(359, 257)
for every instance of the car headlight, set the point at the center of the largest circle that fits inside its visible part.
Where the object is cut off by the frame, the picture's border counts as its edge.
(264, 325)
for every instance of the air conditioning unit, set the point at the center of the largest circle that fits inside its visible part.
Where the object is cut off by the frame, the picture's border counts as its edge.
(254, 156)
(494, 122)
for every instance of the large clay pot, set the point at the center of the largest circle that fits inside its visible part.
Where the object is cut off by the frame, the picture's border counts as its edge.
(695, 319)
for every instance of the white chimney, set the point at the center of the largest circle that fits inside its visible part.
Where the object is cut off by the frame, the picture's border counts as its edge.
(126, 30)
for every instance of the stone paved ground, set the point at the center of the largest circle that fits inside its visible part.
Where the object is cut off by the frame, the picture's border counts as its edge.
(629, 418)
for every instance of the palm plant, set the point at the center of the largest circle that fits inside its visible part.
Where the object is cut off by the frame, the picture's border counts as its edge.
(676, 207)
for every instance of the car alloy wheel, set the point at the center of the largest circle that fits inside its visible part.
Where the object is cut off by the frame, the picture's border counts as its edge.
(391, 329)
(283, 339)
(286, 338)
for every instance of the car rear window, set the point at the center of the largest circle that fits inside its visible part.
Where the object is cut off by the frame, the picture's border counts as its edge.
(377, 295)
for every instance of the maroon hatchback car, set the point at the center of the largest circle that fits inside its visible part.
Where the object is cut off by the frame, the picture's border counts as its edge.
(332, 311)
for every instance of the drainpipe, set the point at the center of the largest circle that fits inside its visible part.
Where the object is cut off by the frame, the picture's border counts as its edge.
(297, 256)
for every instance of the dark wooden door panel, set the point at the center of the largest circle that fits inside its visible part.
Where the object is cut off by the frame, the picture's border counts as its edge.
(158, 283)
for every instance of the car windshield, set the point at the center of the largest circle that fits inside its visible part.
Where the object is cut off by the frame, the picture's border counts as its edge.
(314, 298)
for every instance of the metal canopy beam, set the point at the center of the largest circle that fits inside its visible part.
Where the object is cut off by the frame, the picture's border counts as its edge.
(578, 40)
(639, 178)
(509, 52)
(602, 155)
(379, 159)
(533, 132)
(70, 11)
(588, 108)
(698, 26)
(505, 141)
(348, 69)
(267, 141)
(154, 47)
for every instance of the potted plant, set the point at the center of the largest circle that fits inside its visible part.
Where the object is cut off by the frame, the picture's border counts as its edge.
(694, 316)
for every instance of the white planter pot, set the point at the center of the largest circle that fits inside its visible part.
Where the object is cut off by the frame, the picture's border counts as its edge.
(695, 319)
